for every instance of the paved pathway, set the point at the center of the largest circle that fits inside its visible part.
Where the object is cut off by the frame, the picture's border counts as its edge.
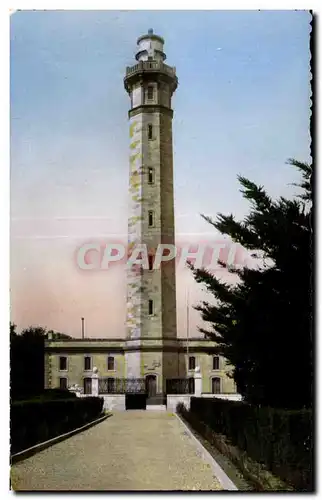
(132, 450)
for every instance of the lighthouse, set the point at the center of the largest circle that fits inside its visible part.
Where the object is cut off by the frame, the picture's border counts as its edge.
(151, 293)
(138, 371)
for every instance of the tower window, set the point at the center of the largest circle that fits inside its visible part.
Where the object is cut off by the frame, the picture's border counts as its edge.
(150, 93)
(150, 175)
(150, 307)
(215, 385)
(215, 363)
(150, 132)
(87, 363)
(192, 362)
(62, 363)
(151, 221)
(150, 262)
(110, 363)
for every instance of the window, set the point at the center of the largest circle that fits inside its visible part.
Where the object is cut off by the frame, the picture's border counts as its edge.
(150, 175)
(150, 216)
(110, 363)
(150, 262)
(191, 385)
(87, 363)
(150, 132)
(150, 307)
(62, 363)
(150, 92)
(215, 385)
(215, 363)
(110, 385)
(87, 386)
(192, 362)
(63, 383)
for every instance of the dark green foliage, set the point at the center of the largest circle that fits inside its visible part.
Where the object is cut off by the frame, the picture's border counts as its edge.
(27, 367)
(36, 421)
(281, 440)
(263, 324)
(27, 355)
(55, 394)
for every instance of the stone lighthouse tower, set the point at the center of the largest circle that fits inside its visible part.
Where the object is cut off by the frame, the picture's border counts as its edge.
(151, 293)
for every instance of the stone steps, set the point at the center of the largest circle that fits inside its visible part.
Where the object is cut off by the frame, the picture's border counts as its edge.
(156, 407)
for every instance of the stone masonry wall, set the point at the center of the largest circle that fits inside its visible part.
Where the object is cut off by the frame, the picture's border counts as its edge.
(168, 271)
(75, 372)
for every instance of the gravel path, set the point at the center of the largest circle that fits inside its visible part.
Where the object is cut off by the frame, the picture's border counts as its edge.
(132, 450)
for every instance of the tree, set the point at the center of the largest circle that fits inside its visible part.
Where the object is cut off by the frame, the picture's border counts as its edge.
(27, 360)
(263, 324)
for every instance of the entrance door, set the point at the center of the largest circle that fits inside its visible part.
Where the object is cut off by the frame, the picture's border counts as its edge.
(151, 385)
(215, 385)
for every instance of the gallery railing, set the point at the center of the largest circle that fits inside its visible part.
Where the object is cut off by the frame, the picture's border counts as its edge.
(151, 65)
(121, 386)
(180, 386)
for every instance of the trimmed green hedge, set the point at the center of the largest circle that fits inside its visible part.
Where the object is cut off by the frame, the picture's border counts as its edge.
(48, 394)
(36, 421)
(281, 440)
(55, 394)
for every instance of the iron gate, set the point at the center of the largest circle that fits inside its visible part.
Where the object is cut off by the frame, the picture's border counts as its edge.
(121, 386)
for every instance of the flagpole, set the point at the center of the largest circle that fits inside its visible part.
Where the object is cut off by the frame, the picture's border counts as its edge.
(188, 327)
(83, 334)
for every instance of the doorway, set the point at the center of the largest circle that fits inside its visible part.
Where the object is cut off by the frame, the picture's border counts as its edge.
(151, 385)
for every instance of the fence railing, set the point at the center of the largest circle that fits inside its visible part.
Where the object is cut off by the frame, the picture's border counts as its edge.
(180, 386)
(151, 65)
(109, 385)
(121, 385)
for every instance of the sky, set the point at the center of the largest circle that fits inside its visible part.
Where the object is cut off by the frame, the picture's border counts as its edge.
(241, 107)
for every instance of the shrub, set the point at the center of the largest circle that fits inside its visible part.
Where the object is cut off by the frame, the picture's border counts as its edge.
(281, 440)
(55, 394)
(38, 420)
(48, 394)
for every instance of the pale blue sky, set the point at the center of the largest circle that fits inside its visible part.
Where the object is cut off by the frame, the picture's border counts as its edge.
(242, 107)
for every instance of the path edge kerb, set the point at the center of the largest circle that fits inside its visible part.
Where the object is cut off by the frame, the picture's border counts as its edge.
(22, 455)
(219, 473)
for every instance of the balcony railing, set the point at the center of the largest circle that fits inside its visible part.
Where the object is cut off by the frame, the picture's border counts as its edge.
(151, 66)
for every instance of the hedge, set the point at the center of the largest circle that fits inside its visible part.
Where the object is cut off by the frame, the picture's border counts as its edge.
(38, 420)
(281, 440)
(55, 394)
(48, 394)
